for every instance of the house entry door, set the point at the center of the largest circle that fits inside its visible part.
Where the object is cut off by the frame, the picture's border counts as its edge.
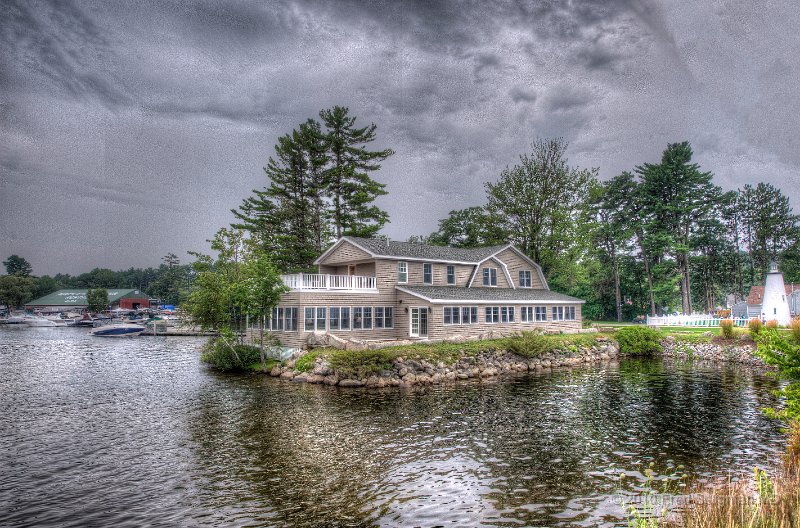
(419, 322)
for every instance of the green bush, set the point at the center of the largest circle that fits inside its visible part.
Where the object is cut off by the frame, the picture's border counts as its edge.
(229, 356)
(306, 362)
(530, 344)
(638, 340)
(361, 363)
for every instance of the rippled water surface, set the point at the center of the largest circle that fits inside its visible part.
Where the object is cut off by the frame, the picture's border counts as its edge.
(137, 432)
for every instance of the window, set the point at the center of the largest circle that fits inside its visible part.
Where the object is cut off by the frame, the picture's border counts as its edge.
(541, 313)
(469, 315)
(427, 273)
(451, 274)
(492, 314)
(291, 319)
(507, 314)
(558, 313)
(362, 317)
(456, 315)
(344, 318)
(448, 315)
(526, 314)
(525, 279)
(383, 317)
(335, 314)
(569, 313)
(276, 321)
(463, 315)
(314, 319)
(402, 272)
(490, 276)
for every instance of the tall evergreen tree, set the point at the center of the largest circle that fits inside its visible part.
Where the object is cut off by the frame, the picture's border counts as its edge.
(677, 196)
(349, 185)
(288, 218)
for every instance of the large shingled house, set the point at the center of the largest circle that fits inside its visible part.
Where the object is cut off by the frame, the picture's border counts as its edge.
(371, 289)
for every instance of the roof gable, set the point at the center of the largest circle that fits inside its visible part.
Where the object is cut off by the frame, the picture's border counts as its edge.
(756, 295)
(378, 248)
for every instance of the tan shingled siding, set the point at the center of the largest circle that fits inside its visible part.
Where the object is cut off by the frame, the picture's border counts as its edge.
(344, 254)
(501, 276)
(516, 264)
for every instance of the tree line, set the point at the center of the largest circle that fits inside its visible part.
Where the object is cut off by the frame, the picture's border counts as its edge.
(662, 237)
(170, 282)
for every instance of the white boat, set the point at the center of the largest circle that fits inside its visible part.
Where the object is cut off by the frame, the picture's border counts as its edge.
(38, 320)
(17, 318)
(118, 330)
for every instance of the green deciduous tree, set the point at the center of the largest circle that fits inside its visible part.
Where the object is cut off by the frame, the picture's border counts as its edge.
(240, 284)
(538, 201)
(97, 299)
(470, 227)
(16, 265)
(16, 290)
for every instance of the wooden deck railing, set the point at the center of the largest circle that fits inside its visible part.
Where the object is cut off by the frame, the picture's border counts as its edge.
(321, 281)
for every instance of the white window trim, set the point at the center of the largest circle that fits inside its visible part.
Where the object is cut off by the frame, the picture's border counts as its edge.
(404, 265)
(423, 273)
(447, 274)
(490, 285)
(528, 275)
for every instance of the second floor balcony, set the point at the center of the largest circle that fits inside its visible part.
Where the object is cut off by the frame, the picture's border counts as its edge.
(325, 282)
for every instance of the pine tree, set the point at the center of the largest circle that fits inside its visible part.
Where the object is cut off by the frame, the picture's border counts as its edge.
(349, 186)
(288, 218)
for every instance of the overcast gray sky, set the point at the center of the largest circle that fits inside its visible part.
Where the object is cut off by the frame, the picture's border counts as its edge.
(129, 130)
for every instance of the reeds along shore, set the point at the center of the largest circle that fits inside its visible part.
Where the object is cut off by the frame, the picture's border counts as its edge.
(762, 501)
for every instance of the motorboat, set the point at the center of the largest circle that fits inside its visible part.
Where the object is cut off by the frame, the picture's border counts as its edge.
(118, 330)
(15, 318)
(38, 320)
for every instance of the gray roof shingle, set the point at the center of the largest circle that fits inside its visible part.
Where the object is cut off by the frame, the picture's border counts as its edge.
(452, 293)
(391, 248)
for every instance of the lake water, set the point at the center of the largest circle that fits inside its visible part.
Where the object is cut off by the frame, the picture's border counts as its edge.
(137, 432)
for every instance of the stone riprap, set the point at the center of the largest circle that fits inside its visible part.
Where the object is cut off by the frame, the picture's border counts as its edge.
(742, 352)
(406, 372)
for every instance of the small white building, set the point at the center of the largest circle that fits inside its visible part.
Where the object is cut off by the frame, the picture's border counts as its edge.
(775, 303)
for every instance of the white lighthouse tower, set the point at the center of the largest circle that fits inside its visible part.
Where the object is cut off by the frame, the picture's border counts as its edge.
(774, 304)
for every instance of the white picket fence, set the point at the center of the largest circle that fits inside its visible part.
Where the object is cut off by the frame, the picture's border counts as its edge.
(693, 320)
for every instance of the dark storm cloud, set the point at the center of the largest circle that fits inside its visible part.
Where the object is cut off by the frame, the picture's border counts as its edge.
(145, 122)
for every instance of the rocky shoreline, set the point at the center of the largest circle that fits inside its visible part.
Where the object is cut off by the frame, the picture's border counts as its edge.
(736, 351)
(407, 372)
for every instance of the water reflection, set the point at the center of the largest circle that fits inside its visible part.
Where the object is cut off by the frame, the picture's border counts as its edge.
(137, 432)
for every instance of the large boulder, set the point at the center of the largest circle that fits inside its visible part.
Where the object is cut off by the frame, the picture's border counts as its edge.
(351, 383)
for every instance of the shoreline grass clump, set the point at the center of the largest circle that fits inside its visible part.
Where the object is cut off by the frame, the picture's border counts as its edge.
(362, 362)
(755, 326)
(794, 326)
(726, 329)
(639, 340)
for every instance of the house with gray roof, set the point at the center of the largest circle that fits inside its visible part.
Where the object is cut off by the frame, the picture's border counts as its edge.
(378, 290)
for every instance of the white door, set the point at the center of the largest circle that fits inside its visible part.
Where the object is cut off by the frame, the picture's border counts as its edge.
(419, 322)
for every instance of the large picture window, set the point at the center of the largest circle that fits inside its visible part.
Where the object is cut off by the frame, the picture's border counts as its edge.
(490, 276)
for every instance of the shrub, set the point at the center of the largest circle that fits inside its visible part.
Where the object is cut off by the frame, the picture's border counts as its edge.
(772, 324)
(306, 361)
(795, 326)
(229, 356)
(755, 327)
(726, 328)
(638, 340)
(529, 344)
(361, 363)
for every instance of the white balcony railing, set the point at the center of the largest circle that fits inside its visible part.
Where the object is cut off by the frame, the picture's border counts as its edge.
(320, 281)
